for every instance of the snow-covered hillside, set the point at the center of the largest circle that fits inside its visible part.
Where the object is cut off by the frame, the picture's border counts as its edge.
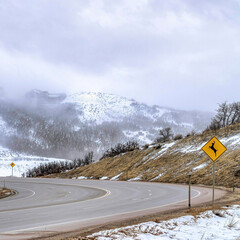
(4, 128)
(98, 108)
(70, 126)
(22, 162)
(101, 107)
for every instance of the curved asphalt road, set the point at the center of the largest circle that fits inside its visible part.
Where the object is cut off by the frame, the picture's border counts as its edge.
(48, 205)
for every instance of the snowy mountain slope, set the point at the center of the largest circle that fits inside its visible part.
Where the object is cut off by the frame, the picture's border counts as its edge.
(69, 126)
(7, 154)
(22, 162)
(4, 128)
(138, 121)
(97, 108)
(101, 107)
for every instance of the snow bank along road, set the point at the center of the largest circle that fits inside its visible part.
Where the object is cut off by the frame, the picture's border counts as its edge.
(43, 206)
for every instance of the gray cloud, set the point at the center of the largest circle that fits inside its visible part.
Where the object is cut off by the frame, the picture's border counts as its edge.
(183, 54)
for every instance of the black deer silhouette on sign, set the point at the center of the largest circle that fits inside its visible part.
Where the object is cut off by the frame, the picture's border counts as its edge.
(213, 148)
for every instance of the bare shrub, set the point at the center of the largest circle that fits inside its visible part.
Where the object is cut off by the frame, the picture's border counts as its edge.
(158, 146)
(178, 137)
(145, 146)
(227, 114)
(165, 134)
(121, 148)
(59, 167)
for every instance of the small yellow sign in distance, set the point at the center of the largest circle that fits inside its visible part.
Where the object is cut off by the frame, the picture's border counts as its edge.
(12, 164)
(214, 148)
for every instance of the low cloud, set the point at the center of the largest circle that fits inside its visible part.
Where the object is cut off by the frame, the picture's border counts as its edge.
(183, 54)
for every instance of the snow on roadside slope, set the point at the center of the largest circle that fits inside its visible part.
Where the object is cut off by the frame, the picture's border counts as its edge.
(115, 178)
(158, 153)
(232, 141)
(207, 225)
(22, 162)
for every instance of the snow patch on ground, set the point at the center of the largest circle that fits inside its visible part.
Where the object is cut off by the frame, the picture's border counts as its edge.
(191, 148)
(82, 178)
(233, 141)
(157, 177)
(139, 177)
(154, 155)
(115, 178)
(205, 226)
(200, 166)
(104, 178)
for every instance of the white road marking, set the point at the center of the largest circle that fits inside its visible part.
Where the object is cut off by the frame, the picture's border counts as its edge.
(56, 205)
(79, 221)
(33, 193)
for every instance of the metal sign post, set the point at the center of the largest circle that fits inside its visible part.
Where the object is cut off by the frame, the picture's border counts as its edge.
(233, 176)
(189, 190)
(214, 149)
(213, 185)
(12, 165)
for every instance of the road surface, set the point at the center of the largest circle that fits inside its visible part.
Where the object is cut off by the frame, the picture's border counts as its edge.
(42, 206)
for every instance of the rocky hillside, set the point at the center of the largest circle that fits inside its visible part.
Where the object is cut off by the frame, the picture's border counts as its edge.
(69, 126)
(171, 161)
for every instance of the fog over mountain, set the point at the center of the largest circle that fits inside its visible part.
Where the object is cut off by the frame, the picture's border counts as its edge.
(68, 126)
(183, 54)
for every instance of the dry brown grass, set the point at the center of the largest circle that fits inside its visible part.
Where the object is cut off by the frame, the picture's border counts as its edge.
(174, 164)
(4, 192)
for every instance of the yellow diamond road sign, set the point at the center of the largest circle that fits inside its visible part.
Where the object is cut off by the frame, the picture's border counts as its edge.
(12, 164)
(214, 148)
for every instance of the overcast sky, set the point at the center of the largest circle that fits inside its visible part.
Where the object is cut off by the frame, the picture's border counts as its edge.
(178, 53)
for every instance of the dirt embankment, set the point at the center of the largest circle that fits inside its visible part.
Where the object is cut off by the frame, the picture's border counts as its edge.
(171, 162)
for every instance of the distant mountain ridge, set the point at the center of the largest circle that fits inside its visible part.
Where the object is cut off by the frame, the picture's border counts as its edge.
(45, 96)
(68, 126)
(101, 107)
